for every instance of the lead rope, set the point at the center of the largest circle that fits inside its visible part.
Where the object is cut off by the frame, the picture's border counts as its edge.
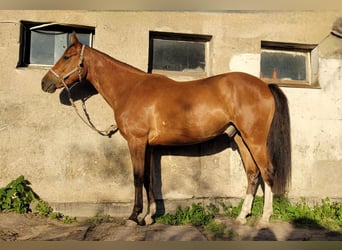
(112, 129)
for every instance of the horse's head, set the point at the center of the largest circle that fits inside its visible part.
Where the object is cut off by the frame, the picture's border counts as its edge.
(68, 69)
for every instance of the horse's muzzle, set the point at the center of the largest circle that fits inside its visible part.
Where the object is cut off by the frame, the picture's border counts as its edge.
(48, 85)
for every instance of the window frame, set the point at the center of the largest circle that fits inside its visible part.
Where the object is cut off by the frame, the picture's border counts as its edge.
(25, 38)
(182, 37)
(311, 52)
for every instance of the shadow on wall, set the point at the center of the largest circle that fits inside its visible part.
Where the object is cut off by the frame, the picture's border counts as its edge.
(79, 91)
(211, 147)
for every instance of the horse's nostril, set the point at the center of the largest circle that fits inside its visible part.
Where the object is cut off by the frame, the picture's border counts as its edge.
(43, 85)
(48, 86)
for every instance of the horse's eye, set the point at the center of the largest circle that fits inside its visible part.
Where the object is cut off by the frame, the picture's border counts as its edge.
(66, 57)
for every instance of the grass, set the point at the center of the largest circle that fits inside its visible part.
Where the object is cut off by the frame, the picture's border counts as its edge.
(197, 215)
(99, 219)
(219, 231)
(323, 214)
(42, 208)
(19, 197)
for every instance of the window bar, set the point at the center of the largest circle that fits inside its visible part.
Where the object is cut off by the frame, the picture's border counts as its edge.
(43, 25)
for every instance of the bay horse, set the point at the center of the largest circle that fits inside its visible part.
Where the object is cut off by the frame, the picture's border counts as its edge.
(151, 110)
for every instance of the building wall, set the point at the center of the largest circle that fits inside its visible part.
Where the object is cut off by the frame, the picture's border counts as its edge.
(68, 164)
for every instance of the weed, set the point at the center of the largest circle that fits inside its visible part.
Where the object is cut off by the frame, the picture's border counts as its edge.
(43, 208)
(17, 196)
(196, 215)
(219, 231)
(56, 215)
(68, 219)
(213, 209)
(231, 211)
(325, 214)
(216, 229)
(99, 219)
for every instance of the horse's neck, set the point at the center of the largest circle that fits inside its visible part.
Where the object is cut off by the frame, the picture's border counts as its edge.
(110, 77)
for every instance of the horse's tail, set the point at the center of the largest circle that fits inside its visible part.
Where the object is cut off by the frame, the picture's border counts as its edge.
(279, 142)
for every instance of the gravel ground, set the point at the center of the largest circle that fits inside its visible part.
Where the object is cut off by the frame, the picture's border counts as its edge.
(24, 227)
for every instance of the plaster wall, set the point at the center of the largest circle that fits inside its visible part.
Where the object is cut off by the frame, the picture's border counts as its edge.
(67, 163)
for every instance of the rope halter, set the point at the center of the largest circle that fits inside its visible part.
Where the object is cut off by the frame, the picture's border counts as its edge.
(112, 129)
(77, 69)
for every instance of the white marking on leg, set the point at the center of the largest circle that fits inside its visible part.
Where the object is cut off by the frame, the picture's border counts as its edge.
(268, 206)
(246, 208)
(148, 218)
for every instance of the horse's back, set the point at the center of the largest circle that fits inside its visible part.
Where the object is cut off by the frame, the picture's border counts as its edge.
(232, 93)
(240, 79)
(193, 111)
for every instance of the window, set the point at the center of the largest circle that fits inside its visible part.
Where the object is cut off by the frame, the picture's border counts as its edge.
(289, 64)
(178, 54)
(44, 43)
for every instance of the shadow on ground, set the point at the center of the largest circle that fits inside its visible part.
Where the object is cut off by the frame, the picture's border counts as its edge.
(24, 227)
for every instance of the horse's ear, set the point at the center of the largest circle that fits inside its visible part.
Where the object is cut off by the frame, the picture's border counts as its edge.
(74, 38)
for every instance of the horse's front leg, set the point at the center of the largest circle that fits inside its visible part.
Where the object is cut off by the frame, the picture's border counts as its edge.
(148, 183)
(137, 151)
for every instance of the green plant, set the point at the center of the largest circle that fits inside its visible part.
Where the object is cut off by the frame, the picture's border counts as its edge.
(231, 211)
(282, 208)
(68, 219)
(213, 209)
(17, 196)
(196, 215)
(215, 229)
(56, 215)
(43, 209)
(325, 214)
(99, 219)
(219, 231)
(322, 214)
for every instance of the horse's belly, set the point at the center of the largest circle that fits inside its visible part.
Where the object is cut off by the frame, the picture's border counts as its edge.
(175, 140)
(184, 136)
(177, 127)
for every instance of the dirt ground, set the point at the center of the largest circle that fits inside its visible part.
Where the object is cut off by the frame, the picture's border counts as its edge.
(24, 227)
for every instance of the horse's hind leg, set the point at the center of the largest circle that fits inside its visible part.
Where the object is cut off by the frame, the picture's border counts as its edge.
(148, 184)
(252, 173)
(261, 157)
(268, 206)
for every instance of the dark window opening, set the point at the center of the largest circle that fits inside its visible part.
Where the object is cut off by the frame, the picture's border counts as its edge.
(289, 64)
(44, 43)
(282, 65)
(177, 52)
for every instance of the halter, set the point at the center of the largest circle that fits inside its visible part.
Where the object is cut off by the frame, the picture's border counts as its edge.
(107, 132)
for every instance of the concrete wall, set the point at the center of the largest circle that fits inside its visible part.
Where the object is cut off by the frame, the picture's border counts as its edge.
(69, 164)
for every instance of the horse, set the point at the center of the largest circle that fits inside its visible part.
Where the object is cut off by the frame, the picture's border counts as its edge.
(153, 110)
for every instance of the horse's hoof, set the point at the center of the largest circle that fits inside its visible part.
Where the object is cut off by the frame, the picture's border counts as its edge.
(148, 220)
(131, 223)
